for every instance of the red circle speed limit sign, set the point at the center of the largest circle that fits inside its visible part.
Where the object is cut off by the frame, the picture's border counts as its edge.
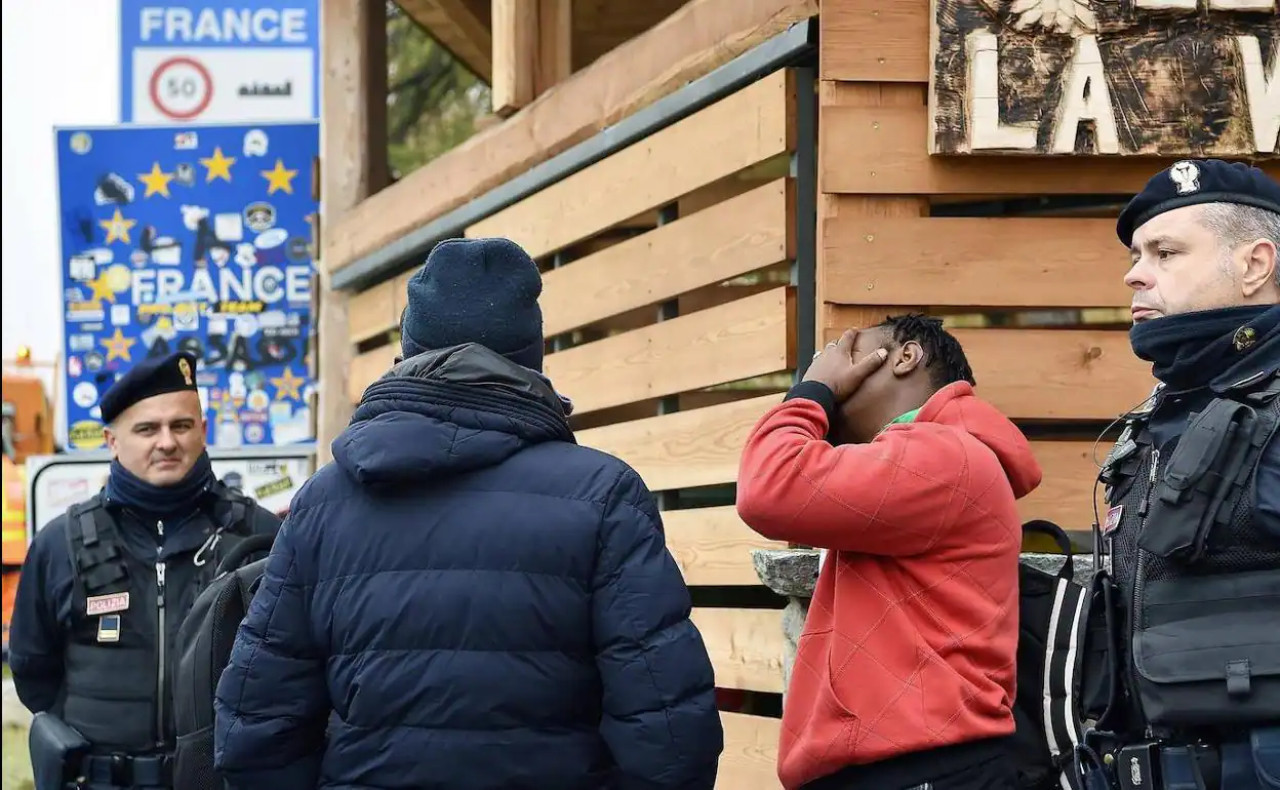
(181, 88)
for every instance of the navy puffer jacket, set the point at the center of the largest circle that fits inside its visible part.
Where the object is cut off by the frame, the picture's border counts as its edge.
(466, 599)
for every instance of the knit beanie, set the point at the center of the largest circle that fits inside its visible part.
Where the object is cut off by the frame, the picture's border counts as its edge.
(481, 291)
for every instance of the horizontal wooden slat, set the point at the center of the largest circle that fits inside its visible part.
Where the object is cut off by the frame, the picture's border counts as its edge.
(372, 312)
(884, 150)
(750, 757)
(740, 235)
(1047, 374)
(875, 41)
(368, 367)
(699, 37)
(738, 340)
(712, 546)
(745, 645)
(700, 447)
(740, 130)
(1065, 495)
(991, 262)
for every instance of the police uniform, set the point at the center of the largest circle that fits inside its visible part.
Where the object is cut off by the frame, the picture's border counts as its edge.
(1186, 605)
(101, 597)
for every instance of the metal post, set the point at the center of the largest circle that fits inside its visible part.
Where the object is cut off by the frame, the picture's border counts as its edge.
(804, 169)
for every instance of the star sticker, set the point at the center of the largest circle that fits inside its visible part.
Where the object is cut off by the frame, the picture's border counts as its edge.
(219, 166)
(279, 178)
(118, 346)
(287, 383)
(117, 227)
(102, 289)
(157, 181)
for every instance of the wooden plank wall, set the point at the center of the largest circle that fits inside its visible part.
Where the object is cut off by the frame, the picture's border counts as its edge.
(671, 323)
(1037, 301)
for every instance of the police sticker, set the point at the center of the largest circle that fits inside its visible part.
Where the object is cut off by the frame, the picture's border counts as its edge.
(106, 604)
(109, 628)
(1113, 519)
(259, 216)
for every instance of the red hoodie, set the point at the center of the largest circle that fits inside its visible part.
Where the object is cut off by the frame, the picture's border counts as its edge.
(912, 634)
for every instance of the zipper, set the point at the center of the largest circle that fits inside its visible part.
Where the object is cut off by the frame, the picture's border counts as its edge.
(1136, 617)
(161, 638)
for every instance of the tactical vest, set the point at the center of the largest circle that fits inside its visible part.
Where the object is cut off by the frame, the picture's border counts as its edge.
(1197, 580)
(125, 614)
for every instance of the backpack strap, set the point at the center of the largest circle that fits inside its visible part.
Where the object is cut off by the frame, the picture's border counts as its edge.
(1059, 710)
(234, 528)
(94, 547)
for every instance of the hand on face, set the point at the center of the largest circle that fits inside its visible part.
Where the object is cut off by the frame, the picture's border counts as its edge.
(836, 367)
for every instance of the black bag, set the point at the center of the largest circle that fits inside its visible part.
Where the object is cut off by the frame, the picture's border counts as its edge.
(204, 648)
(1051, 609)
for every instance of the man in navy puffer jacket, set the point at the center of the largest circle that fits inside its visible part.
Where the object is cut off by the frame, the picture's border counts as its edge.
(467, 599)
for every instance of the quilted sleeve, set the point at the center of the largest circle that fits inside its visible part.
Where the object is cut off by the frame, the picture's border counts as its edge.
(660, 719)
(895, 496)
(272, 701)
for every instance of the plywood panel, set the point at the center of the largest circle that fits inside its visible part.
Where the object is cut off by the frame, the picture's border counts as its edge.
(1051, 374)
(745, 646)
(368, 367)
(884, 150)
(746, 338)
(712, 546)
(991, 262)
(875, 41)
(750, 757)
(750, 126)
(743, 234)
(700, 447)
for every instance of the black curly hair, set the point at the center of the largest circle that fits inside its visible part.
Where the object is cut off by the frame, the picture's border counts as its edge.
(939, 346)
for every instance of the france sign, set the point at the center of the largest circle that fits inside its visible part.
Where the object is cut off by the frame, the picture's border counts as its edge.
(212, 61)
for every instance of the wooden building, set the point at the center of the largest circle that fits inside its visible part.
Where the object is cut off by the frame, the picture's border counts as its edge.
(715, 187)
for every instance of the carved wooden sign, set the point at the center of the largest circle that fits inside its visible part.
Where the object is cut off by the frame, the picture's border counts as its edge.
(1105, 77)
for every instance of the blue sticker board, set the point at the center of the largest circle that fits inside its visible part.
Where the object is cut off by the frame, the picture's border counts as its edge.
(198, 239)
(219, 61)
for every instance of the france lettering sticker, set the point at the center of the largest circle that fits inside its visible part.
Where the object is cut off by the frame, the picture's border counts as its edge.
(109, 628)
(1113, 519)
(106, 604)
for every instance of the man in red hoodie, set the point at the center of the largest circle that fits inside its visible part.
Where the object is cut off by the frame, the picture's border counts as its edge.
(904, 676)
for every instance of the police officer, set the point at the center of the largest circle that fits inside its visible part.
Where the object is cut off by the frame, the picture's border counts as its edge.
(105, 586)
(1186, 605)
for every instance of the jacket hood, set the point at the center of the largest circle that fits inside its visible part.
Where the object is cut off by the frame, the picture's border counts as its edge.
(446, 412)
(956, 405)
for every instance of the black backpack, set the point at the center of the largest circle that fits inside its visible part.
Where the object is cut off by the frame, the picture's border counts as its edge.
(204, 648)
(1051, 611)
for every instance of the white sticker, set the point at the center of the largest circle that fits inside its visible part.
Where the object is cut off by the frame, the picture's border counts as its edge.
(272, 319)
(270, 239)
(84, 394)
(258, 400)
(235, 383)
(229, 434)
(247, 325)
(119, 314)
(217, 326)
(101, 255)
(228, 227)
(203, 393)
(186, 141)
(255, 143)
(167, 256)
(83, 267)
(185, 317)
(246, 255)
(191, 216)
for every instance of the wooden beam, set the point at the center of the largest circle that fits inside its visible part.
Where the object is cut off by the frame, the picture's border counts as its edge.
(713, 547)
(874, 41)
(353, 166)
(458, 29)
(754, 124)
(554, 61)
(750, 757)
(745, 645)
(372, 312)
(741, 235)
(879, 152)
(701, 36)
(368, 367)
(745, 338)
(515, 46)
(953, 261)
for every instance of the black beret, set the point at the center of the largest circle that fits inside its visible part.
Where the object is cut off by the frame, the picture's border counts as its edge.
(150, 377)
(1194, 181)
